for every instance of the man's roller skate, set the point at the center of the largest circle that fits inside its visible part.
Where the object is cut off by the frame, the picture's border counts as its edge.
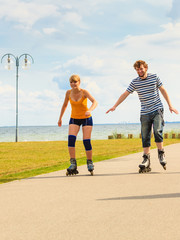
(161, 157)
(73, 168)
(145, 165)
(90, 167)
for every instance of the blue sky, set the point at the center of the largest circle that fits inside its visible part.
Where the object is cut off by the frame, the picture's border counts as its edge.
(98, 39)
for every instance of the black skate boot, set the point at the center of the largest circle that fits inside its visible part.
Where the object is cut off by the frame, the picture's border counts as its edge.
(73, 168)
(161, 156)
(90, 166)
(145, 165)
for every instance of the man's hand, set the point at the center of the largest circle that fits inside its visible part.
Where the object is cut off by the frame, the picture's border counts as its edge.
(171, 109)
(111, 109)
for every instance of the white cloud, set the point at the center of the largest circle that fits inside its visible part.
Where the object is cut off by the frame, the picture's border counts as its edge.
(49, 30)
(73, 18)
(7, 95)
(91, 85)
(163, 3)
(6, 90)
(88, 62)
(166, 41)
(26, 13)
(30, 103)
(139, 16)
(38, 100)
(175, 10)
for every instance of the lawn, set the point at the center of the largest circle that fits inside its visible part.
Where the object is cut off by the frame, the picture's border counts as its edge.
(27, 159)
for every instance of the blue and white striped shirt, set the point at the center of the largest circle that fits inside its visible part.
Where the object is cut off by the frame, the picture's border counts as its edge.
(148, 92)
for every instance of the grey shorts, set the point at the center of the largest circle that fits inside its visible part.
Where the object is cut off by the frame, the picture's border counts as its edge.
(155, 120)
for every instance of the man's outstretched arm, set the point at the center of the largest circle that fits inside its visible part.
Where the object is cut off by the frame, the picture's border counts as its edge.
(119, 101)
(166, 97)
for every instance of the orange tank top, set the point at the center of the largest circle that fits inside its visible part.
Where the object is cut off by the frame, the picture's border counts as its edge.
(78, 108)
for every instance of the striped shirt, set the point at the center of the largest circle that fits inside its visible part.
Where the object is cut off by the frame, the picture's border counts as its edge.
(148, 92)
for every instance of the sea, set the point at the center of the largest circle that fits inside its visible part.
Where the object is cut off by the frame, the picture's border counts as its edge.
(55, 133)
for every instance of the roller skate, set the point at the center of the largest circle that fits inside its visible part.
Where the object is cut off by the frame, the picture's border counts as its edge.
(145, 165)
(161, 156)
(72, 169)
(90, 167)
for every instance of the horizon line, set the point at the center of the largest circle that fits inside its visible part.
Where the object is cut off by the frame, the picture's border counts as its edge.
(121, 123)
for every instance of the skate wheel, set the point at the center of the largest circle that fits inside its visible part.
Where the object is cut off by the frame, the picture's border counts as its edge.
(148, 169)
(142, 170)
(69, 173)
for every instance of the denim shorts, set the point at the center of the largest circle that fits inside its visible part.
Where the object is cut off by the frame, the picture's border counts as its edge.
(155, 120)
(83, 122)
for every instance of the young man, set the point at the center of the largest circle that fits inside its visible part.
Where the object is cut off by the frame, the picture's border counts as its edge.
(147, 86)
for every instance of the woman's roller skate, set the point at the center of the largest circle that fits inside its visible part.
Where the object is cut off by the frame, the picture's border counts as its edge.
(73, 168)
(145, 165)
(90, 167)
(161, 157)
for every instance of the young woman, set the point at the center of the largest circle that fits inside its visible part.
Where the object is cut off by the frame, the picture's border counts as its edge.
(80, 115)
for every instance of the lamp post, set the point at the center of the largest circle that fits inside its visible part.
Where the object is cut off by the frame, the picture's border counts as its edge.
(25, 66)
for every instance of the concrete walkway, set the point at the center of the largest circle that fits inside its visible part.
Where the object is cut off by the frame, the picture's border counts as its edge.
(116, 203)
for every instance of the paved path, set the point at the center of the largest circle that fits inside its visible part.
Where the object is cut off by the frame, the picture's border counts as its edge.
(115, 203)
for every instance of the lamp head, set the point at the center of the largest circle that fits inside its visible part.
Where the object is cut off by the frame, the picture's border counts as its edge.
(26, 65)
(8, 66)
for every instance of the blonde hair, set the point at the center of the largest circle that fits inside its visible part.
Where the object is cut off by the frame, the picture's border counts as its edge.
(74, 77)
(138, 64)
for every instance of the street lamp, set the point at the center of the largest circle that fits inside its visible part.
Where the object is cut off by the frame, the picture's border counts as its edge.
(26, 65)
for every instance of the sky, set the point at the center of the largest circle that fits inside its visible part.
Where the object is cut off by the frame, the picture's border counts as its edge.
(97, 39)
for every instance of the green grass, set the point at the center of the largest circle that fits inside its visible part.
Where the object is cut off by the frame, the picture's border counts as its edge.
(27, 159)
